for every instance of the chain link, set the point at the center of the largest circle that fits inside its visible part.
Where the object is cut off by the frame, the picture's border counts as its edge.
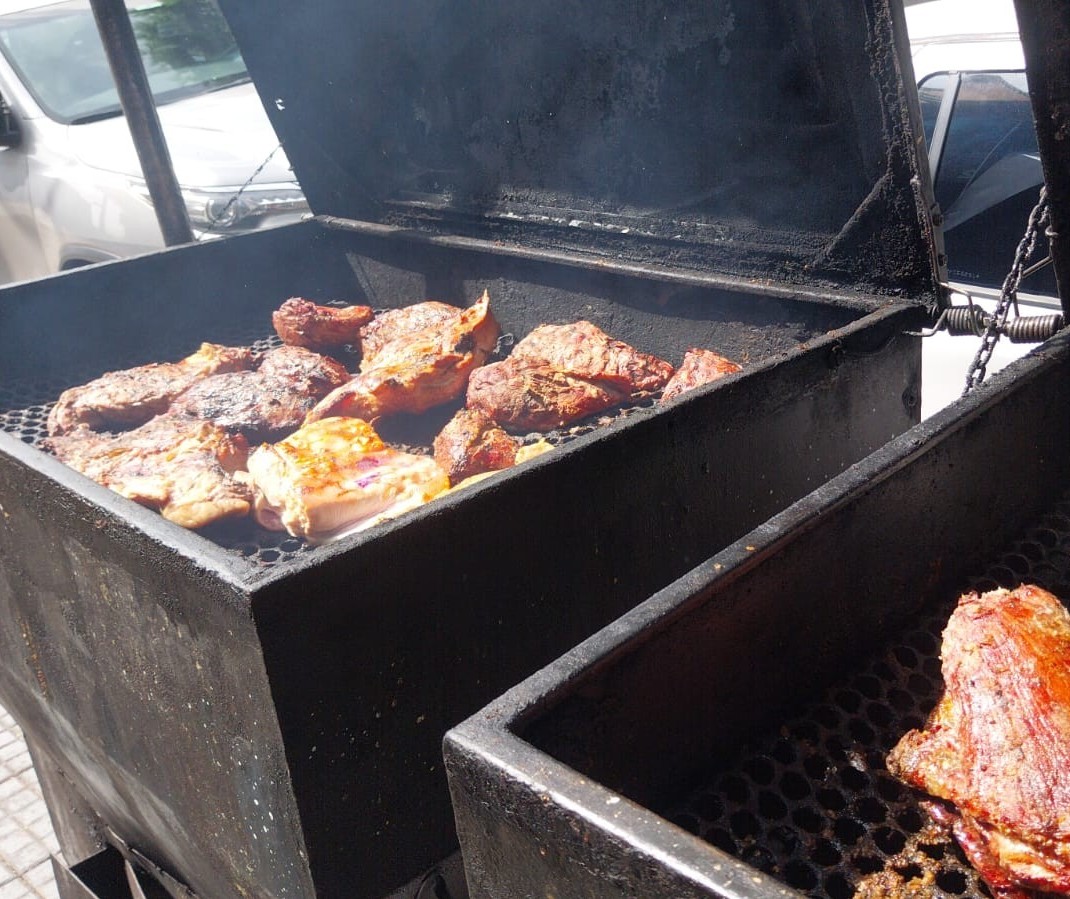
(1008, 295)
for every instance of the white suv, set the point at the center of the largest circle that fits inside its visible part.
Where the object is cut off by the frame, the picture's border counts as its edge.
(983, 156)
(71, 188)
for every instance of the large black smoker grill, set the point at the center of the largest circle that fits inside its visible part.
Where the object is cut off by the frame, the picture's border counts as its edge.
(246, 715)
(727, 737)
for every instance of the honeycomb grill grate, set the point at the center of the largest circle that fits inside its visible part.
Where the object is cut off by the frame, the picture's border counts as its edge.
(814, 806)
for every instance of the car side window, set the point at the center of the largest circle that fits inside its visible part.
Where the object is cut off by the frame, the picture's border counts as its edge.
(931, 94)
(989, 179)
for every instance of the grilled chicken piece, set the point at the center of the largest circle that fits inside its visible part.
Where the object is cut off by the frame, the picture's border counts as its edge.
(182, 468)
(127, 398)
(995, 753)
(268, 403)
(559, 374)
(472, 444)
(414, 370)
(300, 322)
(335, 477)
(698, 367)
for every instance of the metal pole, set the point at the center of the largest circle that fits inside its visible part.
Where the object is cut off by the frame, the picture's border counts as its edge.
(1045, 29)
(139, 107)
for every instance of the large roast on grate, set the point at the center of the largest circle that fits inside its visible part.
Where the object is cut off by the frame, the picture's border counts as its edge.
(995, 753)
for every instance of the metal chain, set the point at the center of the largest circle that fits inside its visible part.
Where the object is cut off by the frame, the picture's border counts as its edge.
(1038, 218)
(235, 197)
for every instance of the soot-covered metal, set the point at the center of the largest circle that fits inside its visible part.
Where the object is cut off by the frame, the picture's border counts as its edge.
(728, 737)
(265, 718)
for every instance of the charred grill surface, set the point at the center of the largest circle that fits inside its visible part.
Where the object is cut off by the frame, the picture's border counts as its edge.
(814, 805)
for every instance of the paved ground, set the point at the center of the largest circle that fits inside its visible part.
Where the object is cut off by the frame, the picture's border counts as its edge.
(26, 838)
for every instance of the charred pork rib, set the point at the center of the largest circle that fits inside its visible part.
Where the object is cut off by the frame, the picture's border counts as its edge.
(128, 398)
(415, 361)
(995, 753)
(472, 444)
(559, 374)
(182, 468)
(699, 367)
(300, 322)
(268, 403)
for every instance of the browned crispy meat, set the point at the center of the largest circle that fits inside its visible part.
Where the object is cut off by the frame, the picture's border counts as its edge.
(412, 371)
(335, 477)
(698, 367)
(471, 444)
(127, 398)
(995, 753)
(399, 324)
(301, 322)
(559, 374)
(268, 403)
(182, 468)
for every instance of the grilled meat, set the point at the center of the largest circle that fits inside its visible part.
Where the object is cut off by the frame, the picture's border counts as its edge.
(995, 753)
(300, 322)
(130, 397)
(413, 370)
(334, 477)
(698, 367)
(471, 444)
(183, 468)
(267, 403)
(559, 374)
(400, 324)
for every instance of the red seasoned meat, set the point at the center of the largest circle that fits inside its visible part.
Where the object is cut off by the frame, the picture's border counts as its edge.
(400, 324)
(471, 444)
(184, 469)
(559, 374)
(995, 753)
(130, 397)
(268, 403)
(300, 322)
(699, 367)
(412, 371)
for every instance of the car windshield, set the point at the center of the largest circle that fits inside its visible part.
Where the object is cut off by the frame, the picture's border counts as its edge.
(57, 52)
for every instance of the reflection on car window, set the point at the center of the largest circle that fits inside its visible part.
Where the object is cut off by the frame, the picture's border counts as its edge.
(186, 47)
(931, 94)
(989, 178)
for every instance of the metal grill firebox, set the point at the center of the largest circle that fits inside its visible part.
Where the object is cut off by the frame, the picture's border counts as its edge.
(248, 715)
(728, 736)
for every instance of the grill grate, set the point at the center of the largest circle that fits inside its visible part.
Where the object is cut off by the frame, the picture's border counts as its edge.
(24, 408)
(814, 806)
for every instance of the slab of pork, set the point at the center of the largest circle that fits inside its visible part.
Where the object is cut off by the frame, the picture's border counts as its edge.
(406, 370)
(130, 397)
(560, 374)
(995, 753)
(184, 469)
(334, 477)
(268, 403)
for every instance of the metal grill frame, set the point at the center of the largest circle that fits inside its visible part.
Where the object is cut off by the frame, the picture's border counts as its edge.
(578, 781)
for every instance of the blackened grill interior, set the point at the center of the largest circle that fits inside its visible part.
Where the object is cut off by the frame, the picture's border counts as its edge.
(813, 805)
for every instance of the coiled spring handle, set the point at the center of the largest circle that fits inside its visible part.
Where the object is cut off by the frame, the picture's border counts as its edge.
(972, 320)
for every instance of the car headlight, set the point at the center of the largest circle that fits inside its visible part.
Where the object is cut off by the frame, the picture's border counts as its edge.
(224, 209)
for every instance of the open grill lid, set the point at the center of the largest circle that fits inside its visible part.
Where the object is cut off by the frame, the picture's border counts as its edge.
(767, 140)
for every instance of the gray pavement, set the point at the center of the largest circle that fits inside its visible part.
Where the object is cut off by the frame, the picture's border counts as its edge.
(26, 837)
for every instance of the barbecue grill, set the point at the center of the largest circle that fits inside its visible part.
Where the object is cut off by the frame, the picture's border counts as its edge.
(727, 737)
(239, 713)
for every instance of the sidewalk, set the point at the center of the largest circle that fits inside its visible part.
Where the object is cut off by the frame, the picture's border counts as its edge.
(26, 838)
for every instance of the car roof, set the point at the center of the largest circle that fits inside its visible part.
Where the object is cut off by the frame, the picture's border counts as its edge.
(963, 35)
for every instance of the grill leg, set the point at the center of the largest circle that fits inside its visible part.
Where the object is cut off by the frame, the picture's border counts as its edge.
(76, 826)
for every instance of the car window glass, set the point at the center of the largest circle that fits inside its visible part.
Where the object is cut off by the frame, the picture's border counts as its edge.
(57, 51)
(988, 179)
(931, 95)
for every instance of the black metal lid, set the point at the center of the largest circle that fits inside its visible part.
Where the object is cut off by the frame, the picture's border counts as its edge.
(768, 139)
